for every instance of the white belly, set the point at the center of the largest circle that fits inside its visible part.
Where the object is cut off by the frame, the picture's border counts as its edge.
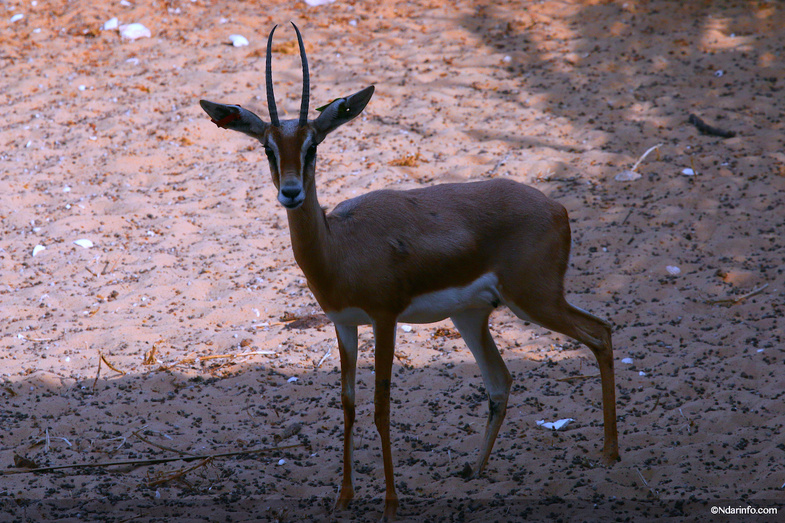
(482, 293)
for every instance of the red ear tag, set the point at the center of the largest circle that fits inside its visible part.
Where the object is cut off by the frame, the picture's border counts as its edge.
(229, 118)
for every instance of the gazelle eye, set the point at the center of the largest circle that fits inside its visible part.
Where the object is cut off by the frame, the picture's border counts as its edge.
(269, 152)
(310, 154)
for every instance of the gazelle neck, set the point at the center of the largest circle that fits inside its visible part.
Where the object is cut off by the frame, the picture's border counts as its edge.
(309, 235)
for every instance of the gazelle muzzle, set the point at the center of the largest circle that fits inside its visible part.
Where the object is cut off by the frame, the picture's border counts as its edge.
(291, 194)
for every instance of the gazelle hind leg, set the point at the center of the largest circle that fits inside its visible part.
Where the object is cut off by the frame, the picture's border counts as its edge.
(384, 334)
(473, 326)
(596, 334)
(559, 316)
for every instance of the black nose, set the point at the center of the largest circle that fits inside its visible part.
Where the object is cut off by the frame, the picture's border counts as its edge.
(290, 192)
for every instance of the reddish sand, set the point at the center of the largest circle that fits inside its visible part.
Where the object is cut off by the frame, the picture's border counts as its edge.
(190, 289)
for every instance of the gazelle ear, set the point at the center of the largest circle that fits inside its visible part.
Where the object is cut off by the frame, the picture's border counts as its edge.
(235, 118)
(340, 111)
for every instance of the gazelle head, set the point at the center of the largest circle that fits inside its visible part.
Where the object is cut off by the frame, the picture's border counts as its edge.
(290, 145)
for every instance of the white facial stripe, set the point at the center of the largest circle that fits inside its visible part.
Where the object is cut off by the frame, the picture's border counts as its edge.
(274, 146)
(304, 150)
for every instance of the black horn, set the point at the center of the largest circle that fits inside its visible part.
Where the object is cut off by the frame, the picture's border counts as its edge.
(269, 81)
(306, 81)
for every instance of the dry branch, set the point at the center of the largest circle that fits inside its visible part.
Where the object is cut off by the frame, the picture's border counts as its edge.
(144, 462)
(196, 359)
(643, 157)
(326, 355)
(163, 447)
(582, 377)
(736, 299)
(179, 474)
(710, 130)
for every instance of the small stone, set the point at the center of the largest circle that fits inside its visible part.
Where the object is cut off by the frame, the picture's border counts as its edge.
(627, 176)
(112, 23)
(238, 40)
(134, 31)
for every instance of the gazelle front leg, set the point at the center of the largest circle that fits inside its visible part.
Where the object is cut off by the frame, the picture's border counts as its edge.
(473, 326)
(347, 347)
(384, 334)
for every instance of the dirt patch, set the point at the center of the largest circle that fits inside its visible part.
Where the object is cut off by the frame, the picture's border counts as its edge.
(212, 342)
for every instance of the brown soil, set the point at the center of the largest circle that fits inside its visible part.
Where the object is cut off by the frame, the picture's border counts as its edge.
(191, 295)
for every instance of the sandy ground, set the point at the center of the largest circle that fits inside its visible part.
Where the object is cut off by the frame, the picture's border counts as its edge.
(212, 343)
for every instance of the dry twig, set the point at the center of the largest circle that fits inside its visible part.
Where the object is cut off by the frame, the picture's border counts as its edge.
(106, 362)
(736, 299)
(180, 473)
(149, 356)
(710, 130)
(143, 462)
(499, 164)
(38, 340)
(102, 359)
(196, 359)
(648, 151)
(326, 355)
(582, 377)
(163, 447)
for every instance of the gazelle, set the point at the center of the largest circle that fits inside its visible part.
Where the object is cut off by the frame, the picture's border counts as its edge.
(453, 251)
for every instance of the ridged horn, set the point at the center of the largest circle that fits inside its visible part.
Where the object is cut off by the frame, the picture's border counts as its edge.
(304, 100)
(268, 76)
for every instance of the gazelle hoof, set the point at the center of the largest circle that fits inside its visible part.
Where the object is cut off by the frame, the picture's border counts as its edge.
(467, 472)
(342, 503)
(390, 510)
(610, 458)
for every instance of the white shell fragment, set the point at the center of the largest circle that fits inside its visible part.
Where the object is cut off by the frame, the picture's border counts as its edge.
(317, 3)
(134, 31)
(282, 461)
(17, 17)
(628, 361)
(688, 172)
(554, 425)
(83, 242)
(238, 40)
(627, 176)
(673, 270)
(37, 249)
(292, 379)
(406, 328)
(112, 23)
